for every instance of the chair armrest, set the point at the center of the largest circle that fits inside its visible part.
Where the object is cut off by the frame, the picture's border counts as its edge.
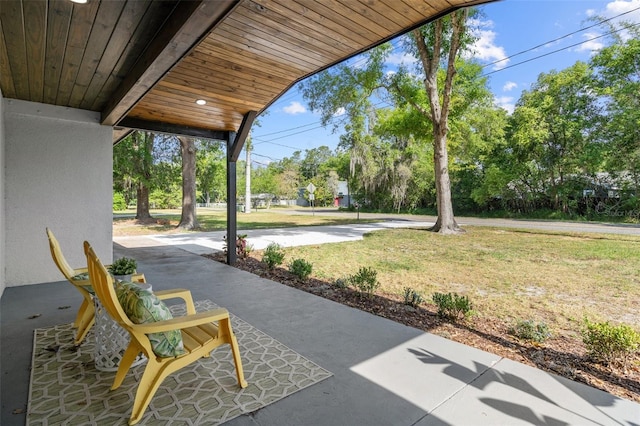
(138, 278)
(178, 293)
(183, 322)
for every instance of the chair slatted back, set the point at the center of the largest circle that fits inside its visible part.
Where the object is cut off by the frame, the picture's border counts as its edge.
(103, 286)
(58, 257)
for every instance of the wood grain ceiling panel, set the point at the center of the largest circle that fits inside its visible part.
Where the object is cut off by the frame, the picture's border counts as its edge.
(155, 110)
(116, 41)
(6, 77)
(309, 22)
(404, 8)
(240, 60)
(338, 21)
(82, 19)
(198, 89)
(280, 26)
(12, 17)
(150, 60)
(234, 71)
(355, 15)
(219, 112)
(155, 16)
(101, 32)
(59, 19)
(35, 43)
(259, 48)
(224, 83)
(293, 50)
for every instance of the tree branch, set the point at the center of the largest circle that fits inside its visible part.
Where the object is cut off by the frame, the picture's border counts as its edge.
(458, 20)
(413, 103)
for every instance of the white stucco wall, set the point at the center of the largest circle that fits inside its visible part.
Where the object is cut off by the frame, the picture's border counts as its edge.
(2, 204)
(58, 164)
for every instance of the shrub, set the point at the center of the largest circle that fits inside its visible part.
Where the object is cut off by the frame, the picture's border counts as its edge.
(341, 282)
(529, 330)
(300, 268)
(123, 266)
(242, 248)
(119, 203)
(273, 255)
(452, 306)
(412, 297)
(607, 343)
(171, 199)
(365, 281)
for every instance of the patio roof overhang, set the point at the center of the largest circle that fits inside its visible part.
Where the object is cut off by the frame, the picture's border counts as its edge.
(143, 64)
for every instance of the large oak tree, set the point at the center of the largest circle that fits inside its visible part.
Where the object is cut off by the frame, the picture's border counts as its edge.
(349, 89)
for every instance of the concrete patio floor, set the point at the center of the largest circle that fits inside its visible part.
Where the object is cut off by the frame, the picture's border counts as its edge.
(384, 373)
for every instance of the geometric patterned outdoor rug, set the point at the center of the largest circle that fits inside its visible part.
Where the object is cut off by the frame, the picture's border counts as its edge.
(66, 388)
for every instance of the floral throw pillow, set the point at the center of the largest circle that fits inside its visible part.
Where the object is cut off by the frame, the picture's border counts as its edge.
(142, 307)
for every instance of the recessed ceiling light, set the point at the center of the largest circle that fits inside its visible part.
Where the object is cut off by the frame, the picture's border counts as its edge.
(79, 1)
(201, 102)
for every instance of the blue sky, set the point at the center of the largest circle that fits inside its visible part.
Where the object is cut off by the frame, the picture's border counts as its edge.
(507, 28)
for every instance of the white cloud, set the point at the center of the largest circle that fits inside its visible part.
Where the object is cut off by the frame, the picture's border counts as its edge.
(591, 46)
(630, 11)
(621, 6)
(509, 86)
(397, 59)
(505, 102)
(339, 112)
(294, 108)
(485, 47)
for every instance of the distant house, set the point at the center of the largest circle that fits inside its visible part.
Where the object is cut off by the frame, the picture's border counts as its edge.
(257, 201)
(343, 199)
(604, 185)
(302, 200)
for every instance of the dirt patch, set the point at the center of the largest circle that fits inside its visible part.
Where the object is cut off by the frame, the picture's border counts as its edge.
(128, 227)
(562, 355)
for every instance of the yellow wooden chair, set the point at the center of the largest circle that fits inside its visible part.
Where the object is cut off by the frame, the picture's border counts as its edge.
(201, 333)
(80, 279)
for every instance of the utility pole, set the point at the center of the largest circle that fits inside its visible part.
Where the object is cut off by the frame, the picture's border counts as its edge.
(247, 186)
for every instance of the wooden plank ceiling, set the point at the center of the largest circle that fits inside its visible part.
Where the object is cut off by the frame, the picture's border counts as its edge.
(143, 64)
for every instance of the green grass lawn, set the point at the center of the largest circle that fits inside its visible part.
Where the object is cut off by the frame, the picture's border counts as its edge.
(557, 278)
(510, 274)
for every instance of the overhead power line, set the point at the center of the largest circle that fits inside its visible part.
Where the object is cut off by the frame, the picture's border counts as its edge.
(397, 47)
(558, 50)
(560, 38)
(286, 136)
(287, 130)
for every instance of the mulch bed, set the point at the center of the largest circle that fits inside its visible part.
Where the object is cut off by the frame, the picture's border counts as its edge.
(561, 355)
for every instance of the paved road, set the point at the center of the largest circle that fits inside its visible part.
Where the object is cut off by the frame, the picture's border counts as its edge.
(546, 225)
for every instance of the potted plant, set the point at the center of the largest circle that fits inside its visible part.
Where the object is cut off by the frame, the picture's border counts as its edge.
(122, 269)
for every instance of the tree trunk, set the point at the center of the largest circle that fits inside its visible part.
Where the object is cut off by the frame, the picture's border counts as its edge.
(446, 222)
(439, 111)
(142, 205)
(143, 163)
(188, 219)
